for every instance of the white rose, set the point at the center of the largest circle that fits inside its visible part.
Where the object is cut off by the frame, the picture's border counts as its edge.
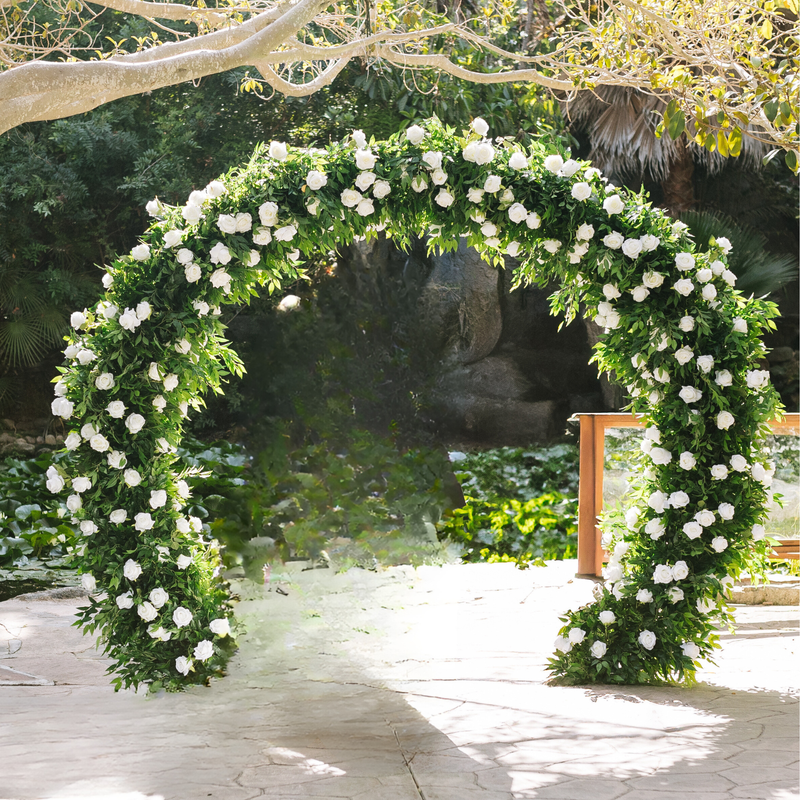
(74, 503)
(220, 279)
(687, 460)
(655, 528)
(684, 355)
(124, 601)
(55, 482)
(709, 292)
(705, 363)
(657, 501)
(365, 159)
(99, 443)
(415, 134)
(661, 375)
(183, 665)
(576, 635)
(650, 242)
(444, 198)
(116, 459)
(613, 241)
(632, 517)
(717, 268)
(611, 292)
(686, 324)
(607, 617)
(484, 153)
(134, 423)
(724, 420)
(683, 286)
(262, 236)
(182, 616)
(104, 381)
(757, 471)
(359, 138)
(381, 189)
(183, 561)
(489, 229)
(158, 498)
(118, 516)
(226, 223)
(143, 521)
(286, 233)
(739, 463)
(513, 249)
(153, 207)
(492, 184)
(632, 248)
(562, 645)
(173, 237)
(72, 442)
(613, 205)
(679, 499)
(660, 455)
(141, 252)
(598, 649)
(719, 472)
(77, 319)
(86, 356)
(183, 346)
(723, 378)
(729, 277)
(470, 152)
(739, 325)
(724, 244)
(202, 308)
(705, 517)
(220, 254)
(116, 409)
(193, 273)
(704, 275)
(640, 294)
(690, 394)
(553, 163)
(171, 382)
(184, 256)
(533, 220)
(158, 597)
(584, 232)
(131, 570)
(581, 191)
(691, 650)
(192, 214)
(433, 158)
(61, 407)
(757, 378)
(693, 529)
(675, 594)
(131, 477)
(221, 627)
(569, 168)
(268, 214)
(81, 484)
(644, 596)
(278, 151)
(647, 639)
(316, 180)
(759, 532)
(147, 611)
(517, 213)
(364, 209)
(726, 511)
(204, 650)
(365, 180)
(551, 245)
(107, 280)
(684, 261)
(719, 543)
(517, 160)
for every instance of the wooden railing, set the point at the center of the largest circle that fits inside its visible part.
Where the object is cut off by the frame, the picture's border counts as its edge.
(590, 493)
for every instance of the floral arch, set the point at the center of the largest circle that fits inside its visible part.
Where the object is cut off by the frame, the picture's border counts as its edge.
(678, 334)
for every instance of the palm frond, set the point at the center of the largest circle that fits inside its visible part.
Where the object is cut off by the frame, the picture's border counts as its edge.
(758, 271)
(22, 341)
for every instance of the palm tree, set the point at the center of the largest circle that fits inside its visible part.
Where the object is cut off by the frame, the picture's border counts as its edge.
(621, 123)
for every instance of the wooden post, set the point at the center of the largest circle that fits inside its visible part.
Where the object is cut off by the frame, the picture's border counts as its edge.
(587, 534)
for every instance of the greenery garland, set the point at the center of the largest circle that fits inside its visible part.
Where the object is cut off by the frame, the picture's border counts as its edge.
(677, 333)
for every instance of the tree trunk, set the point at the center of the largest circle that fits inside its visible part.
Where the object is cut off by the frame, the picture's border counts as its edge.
(679, 184)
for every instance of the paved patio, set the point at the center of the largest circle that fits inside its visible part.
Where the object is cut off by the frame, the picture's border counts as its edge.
(399, 685)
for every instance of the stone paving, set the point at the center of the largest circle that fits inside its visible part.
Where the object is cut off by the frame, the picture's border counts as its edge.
(399, 685)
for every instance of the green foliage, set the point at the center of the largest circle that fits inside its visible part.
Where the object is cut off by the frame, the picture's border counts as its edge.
(521, 505)
(33, 522)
